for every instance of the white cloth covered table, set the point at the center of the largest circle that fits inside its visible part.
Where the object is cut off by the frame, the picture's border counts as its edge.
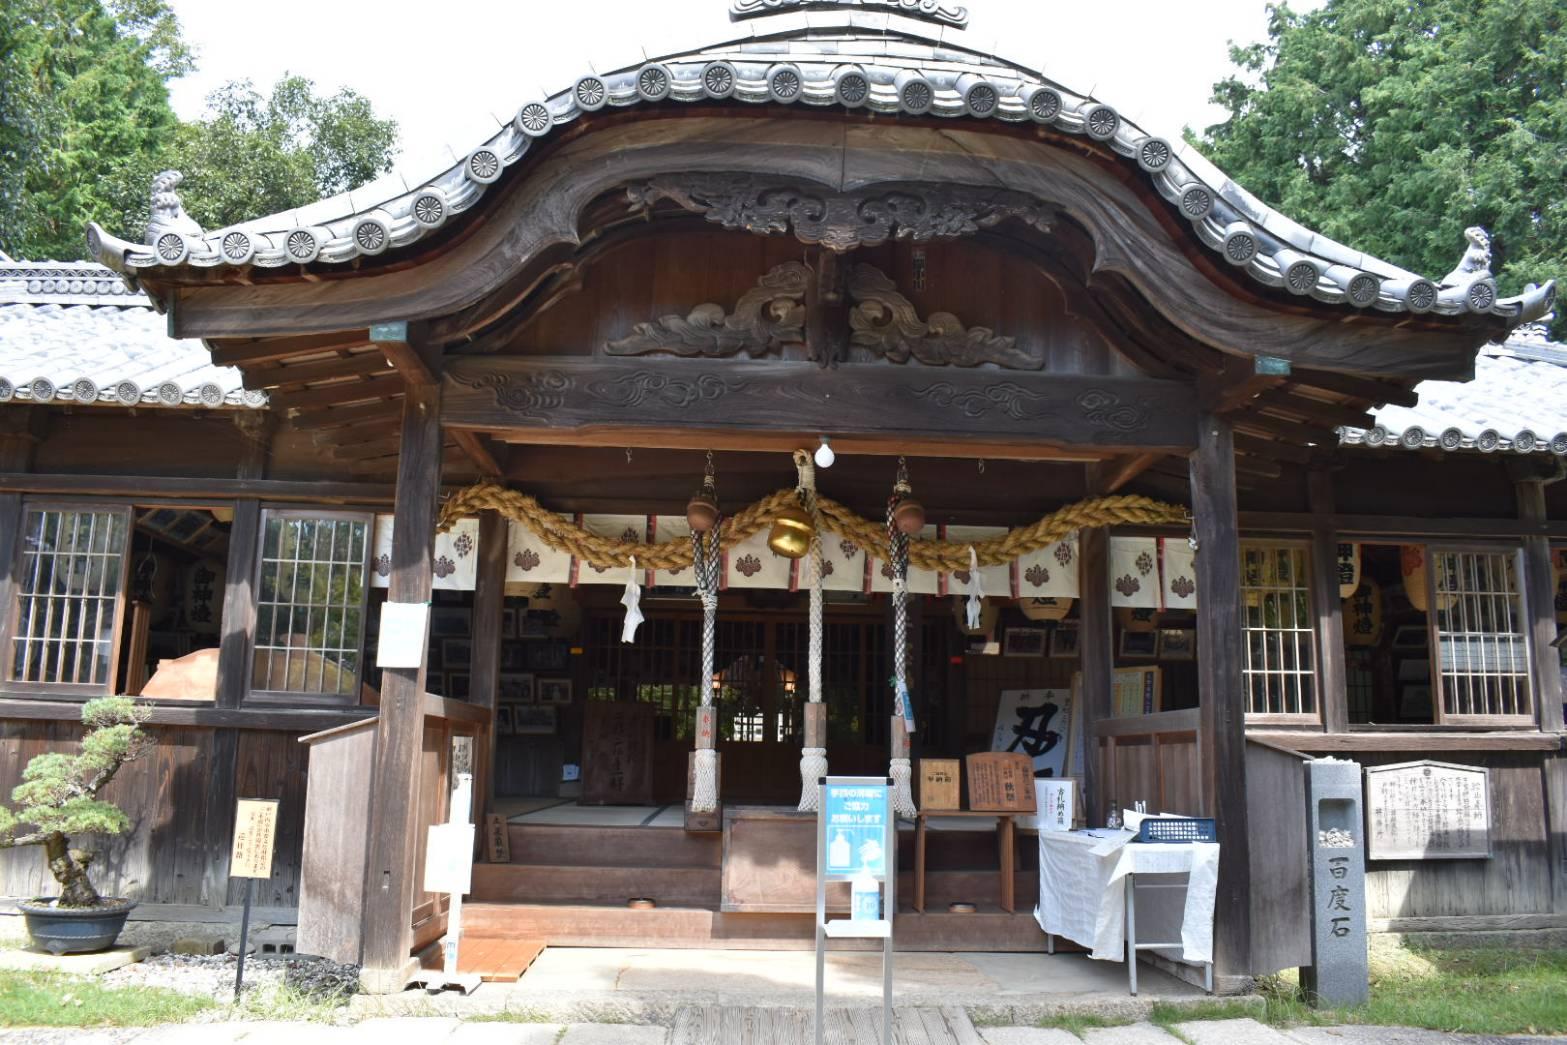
(1082, 893)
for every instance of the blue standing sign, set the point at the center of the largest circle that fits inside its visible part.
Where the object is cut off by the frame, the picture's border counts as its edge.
(856, 830)
(856, 842)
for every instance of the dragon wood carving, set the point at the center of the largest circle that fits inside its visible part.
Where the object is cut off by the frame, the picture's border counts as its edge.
(883, 322)
(767, 317)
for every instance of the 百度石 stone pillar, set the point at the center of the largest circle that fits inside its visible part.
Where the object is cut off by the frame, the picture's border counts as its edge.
(1338, 974)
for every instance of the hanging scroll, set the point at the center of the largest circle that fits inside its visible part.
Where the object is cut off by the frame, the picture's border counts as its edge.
(1180, 573)
(1134, 572)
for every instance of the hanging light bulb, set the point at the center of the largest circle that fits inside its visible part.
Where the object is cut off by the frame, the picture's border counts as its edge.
(824, 455)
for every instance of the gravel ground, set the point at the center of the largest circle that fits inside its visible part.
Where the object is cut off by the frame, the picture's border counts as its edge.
(213, 975)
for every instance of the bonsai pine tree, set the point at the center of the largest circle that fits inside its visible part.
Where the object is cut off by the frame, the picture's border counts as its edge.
(58, 796)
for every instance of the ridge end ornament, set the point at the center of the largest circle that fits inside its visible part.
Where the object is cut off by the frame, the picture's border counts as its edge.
(927, 10)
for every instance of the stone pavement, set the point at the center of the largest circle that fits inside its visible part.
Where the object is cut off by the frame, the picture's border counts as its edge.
(1240, 1032)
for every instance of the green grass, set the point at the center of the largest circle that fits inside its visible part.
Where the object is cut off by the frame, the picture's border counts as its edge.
(1077, 1024)
(1480, 991)
(30, 999)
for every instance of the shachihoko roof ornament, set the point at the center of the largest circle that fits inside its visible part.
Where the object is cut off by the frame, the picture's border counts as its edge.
(871, 58)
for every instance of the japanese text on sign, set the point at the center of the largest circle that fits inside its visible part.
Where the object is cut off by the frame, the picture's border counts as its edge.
(255, 828)
(1428, 810)
(856, 838)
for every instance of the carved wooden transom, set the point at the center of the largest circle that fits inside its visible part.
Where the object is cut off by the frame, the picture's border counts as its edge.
(772, 315)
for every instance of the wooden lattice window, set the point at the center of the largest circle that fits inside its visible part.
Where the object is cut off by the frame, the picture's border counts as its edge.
(69, 581)
(1479, 636)
(311, 589)
(1280, 673)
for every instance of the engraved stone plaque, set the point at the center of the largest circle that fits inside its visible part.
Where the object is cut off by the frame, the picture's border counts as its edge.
(1428, 811)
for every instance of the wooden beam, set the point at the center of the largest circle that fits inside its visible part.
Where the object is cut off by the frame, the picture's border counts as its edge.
(361, 433)
(269, 350)
(180, 488)
(1350, 526)
(474, 445)
(359, 364)
(1369, 389)
(377, 385)
(1285, 401)
(394, 801)
(786, 442)
(1222, 696)
(392, 340)
(333, 417)
(1273, 448)
(704, 399)
(1258, 467)
(22, 427)
(1328, 607)
(1126, 469)
(489, 602)
(1408, 740)
(38, 706)
(1540, 608)
(1300, 434)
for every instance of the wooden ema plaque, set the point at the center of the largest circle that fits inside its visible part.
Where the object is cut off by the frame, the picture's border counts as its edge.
(1000, 782)
(617, 753)
(940, 784)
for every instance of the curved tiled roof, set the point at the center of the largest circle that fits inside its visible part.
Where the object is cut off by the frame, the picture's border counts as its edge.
(71, 332)
(1517, 403)
(879, 62)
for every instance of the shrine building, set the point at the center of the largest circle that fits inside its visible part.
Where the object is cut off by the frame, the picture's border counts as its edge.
(830, 395)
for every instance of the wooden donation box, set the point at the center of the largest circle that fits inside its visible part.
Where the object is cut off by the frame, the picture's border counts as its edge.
(617, 753)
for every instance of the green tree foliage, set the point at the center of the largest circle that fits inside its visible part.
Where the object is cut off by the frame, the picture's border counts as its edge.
(82, 95)
(57, 799)
(85, 123)
(252, 155)
(1392, 126)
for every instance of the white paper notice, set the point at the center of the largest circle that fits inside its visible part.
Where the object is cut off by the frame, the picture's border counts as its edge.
(403, 634)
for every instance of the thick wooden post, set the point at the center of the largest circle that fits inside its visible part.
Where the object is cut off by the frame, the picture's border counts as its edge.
(1326, 604)
(489, 603)
(1097, 660)
(1540, 591)
(1221, 738)
(394, 802)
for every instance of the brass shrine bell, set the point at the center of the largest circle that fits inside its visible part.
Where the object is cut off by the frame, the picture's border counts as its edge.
(791, 533)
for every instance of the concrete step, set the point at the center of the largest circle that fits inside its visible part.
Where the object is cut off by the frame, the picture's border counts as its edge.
(1028, 1036)
(1132, 1034)
(1230, 1032)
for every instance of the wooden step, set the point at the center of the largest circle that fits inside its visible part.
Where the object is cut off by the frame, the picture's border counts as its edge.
(540, 883)
(554, 846)
(581, 925)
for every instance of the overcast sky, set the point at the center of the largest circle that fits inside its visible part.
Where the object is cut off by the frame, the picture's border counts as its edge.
(446, 70)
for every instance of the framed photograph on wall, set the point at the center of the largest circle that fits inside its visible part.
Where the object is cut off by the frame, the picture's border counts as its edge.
(456, 685)
(515, 688)
(1025, 642)
(1177, 644)
(450, 622)
(1139, 645)
(553, 691)
(1063, 640)
(503, 720)
(532, 719)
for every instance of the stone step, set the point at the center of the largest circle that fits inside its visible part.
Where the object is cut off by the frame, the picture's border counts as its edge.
(1230, 1032)
(1028, 1036)
(1132, 1034)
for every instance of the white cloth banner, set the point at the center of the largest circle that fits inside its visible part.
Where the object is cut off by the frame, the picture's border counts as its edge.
(615, 527)
(997, 580)
(672, 528)
(752, 564)
(843, 565)
(1179, 563)
(455, 563)
(1049, 573)
(1082, 891)
(530, 561)
(921, 582)
(1134, 572)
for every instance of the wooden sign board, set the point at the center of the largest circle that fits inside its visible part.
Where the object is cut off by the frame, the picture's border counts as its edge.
(255, 831)
(617, 753)
(940, 784)
(497, 839)
(1428, 811)
(1000, 782)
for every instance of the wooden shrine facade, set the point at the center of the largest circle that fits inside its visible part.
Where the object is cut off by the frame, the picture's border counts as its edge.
(945, 258)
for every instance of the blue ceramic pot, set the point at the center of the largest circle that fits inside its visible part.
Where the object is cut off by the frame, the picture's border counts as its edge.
(74, 930)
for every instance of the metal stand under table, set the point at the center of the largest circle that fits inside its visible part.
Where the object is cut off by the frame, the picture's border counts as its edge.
(1132, 943)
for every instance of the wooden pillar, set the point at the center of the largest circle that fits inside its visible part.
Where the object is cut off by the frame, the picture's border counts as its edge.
(1326, 604)
(394, 801)
(1540, 611)
(1097, 659)
(1221, 738)
(489, 603)
(20, 429)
